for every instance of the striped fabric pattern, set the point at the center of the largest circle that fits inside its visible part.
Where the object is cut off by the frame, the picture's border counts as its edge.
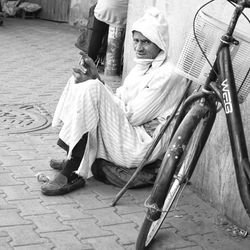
(115, 123)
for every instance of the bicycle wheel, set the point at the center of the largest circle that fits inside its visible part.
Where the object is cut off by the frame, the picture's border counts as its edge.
(195, 133)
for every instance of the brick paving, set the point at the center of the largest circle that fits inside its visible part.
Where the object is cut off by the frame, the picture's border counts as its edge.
(36, 58)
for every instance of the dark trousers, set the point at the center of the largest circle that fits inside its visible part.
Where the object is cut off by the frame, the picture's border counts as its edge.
(98, 39)
(76, 156)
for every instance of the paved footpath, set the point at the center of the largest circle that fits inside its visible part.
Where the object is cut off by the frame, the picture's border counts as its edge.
(36, 58)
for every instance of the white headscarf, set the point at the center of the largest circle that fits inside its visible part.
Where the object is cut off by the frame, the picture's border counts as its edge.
(149, 81)
(153, 25)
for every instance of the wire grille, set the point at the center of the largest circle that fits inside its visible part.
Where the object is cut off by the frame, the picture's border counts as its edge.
(193, 65)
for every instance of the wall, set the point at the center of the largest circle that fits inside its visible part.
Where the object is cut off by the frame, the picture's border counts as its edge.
(75, 12)
(54, 10)
(214, 179)
(79, 12)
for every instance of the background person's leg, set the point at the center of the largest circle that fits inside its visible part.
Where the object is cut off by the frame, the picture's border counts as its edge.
(96, 39)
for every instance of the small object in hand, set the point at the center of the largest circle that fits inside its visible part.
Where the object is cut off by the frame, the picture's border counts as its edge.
(83, 65)
(42, 177)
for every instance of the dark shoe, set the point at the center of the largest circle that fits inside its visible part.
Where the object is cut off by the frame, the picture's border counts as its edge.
(57, 164)
(62, 185)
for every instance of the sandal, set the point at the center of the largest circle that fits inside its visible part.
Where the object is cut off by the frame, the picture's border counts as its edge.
(62, 185)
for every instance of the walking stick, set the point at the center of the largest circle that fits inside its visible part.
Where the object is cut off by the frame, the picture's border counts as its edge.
(151, 148)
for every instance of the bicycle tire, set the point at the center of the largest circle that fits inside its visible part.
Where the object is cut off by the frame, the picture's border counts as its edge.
(198, 133)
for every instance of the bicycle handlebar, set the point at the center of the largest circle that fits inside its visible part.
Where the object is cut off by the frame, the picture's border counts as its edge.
(244, 3)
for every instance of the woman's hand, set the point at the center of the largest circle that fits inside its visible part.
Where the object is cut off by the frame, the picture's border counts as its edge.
(87, 69)
(80, 76)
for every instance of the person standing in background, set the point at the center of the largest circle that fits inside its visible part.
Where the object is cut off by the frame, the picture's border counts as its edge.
(106, 13)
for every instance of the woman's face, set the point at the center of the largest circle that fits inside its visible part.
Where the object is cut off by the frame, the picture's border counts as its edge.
(144, 48)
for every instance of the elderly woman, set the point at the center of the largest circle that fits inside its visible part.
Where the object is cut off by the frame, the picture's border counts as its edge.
(120, 127)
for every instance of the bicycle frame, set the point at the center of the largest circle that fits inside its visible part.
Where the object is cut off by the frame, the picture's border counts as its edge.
(225, 93)
(223, 67)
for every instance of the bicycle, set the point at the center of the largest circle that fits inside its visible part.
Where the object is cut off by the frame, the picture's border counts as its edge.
(223, 89)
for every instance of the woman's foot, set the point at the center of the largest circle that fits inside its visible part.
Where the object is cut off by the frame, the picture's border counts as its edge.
(57, 164)
(62, 185)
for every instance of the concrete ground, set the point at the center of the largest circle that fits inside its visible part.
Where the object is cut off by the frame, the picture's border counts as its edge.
(36, 58)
